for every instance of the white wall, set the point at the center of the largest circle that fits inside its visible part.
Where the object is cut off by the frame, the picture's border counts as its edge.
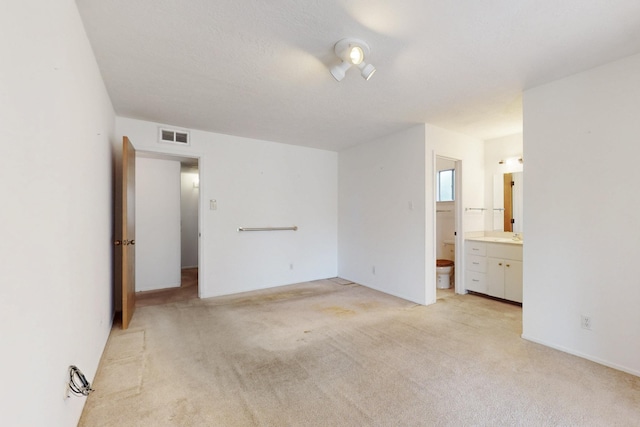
(495, 150)
(582, 209)
(453, 145)
(387, 208)
(189, 205)
(382, 216)
(256, 184)
(56, 190)
(157, 224)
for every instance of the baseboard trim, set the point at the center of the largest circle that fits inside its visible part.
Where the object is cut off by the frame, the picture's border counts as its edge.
(582, 355)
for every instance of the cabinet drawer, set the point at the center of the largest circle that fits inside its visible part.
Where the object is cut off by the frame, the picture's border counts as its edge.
(504, 251)
(476, 263)
(475, 248)
(476, 282)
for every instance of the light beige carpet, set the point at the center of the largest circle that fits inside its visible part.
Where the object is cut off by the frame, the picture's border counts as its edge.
(331, 354)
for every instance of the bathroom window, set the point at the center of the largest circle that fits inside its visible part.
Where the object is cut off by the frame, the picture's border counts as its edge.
(445, 185)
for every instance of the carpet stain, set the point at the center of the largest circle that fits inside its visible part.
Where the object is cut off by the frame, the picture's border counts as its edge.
(274, 372)
(371, 305)
(338, 311)
(294, 294)
(179, 412)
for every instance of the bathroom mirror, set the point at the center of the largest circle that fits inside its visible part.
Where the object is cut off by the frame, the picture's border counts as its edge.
(508, 202)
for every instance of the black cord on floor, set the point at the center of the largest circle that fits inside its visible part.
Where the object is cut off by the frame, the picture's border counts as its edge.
(78, 383)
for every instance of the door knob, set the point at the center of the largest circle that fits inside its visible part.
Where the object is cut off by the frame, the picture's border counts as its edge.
(117, 242)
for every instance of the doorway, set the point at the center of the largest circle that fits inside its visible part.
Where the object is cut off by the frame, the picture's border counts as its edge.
(167, 207)
(448, 236)
(446, 179)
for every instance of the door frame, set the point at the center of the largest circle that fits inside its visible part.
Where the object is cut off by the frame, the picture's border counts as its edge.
(160, 155)
(459, 287)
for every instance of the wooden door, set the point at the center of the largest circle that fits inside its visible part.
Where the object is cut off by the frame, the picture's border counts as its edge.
(508, 202)
(126, 263)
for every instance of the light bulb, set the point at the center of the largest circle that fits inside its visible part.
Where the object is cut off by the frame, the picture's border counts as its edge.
(366, 70)
(356, 55)
(338, 72)
(511, 161)
(352, 52)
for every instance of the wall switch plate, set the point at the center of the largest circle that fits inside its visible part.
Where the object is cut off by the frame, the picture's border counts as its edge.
(585, 322)
(213, 205)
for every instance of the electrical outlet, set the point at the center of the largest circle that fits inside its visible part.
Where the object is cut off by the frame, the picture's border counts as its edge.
(291, 266)
(585, 322)
(373, 269)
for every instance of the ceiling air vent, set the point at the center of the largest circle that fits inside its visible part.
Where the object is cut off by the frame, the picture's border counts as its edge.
(174, 136)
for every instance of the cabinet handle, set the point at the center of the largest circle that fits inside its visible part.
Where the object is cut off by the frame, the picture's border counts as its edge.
(475, 280)
(475, 249)
(499, 263)
(508, 265)
(475, 263)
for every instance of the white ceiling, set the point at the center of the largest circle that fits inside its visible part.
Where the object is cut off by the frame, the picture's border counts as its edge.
(260, 69)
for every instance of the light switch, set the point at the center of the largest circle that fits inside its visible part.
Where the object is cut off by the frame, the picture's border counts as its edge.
(213, 205)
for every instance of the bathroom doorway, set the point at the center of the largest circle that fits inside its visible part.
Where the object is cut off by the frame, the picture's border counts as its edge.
(447, 195)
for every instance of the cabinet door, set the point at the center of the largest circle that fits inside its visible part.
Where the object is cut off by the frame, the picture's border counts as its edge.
(513, 280)
(495, 277)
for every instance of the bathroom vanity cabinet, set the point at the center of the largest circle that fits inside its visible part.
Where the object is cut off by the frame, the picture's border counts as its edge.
(494, 268)
(476, 266)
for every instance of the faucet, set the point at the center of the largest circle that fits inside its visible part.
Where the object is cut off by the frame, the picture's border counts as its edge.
(516, 236)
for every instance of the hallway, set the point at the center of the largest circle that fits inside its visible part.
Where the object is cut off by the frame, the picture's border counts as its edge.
(188, 290)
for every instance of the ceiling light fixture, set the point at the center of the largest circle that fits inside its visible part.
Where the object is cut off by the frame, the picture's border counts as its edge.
(511, 161)
(352, 52)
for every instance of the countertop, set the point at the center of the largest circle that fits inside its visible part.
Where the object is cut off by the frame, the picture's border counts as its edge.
(507, 240)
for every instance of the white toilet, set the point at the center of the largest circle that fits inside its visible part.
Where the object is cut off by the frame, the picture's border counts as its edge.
(444, 267)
